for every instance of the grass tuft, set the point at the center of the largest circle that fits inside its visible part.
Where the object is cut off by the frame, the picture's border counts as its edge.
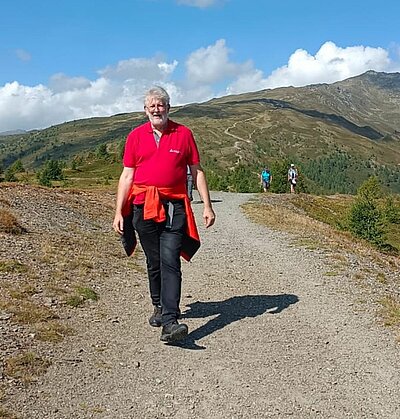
(25, 367)
(27, 312)
(52, 331)
(6, 414)
(9, 223)
(12, 266)
(390, 312)
(81, 295)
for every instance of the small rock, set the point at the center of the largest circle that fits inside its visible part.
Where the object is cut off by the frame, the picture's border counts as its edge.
(5, 316)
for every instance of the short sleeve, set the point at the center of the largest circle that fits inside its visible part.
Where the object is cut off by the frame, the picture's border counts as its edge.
(194, 155)
(129, 159)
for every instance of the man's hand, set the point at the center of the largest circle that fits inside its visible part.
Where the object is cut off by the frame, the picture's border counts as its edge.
(124, 186)
(208, 217)
(118, 224)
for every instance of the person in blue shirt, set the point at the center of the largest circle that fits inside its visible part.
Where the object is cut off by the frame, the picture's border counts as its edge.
(266, 179)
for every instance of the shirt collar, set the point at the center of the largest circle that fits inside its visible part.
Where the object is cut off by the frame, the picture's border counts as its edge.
(169, 128)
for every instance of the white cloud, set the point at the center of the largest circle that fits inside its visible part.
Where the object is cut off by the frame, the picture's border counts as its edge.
(23, 55)
(23, 107)
(62, 83)
(211, 64)
(330, 63)
(139, 68)
(118, 89)
(210, 72)
(251, 81)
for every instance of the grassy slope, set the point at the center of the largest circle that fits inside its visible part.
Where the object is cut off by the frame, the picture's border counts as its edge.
(288, 122)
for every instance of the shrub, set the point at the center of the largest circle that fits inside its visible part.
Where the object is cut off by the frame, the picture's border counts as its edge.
(25, 366)
(18, 167)
(102, 152)
(370, 190)
(242, 179)
(81, 295)
(279, 170)
(366, 219)
(9, 175)
(53, 170)
(392, 211)
(9, 223)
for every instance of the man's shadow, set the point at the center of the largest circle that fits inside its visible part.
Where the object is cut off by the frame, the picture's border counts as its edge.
(231, 310)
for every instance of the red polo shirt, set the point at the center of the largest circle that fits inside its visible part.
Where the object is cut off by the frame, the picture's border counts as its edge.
(163, 165)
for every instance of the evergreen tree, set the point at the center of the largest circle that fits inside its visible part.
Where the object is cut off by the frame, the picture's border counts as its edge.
(121, 149)
(74, 165)
(391, 210)
(102, 152)
(366, 219)
(9, 175)
(242, 179)
(52, 171)
(17, 166)
(279, 170)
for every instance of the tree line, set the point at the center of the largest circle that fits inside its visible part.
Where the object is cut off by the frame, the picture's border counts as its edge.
(339, 172)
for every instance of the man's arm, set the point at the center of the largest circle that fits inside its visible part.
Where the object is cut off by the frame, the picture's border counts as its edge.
(200, 180)
(124, 186)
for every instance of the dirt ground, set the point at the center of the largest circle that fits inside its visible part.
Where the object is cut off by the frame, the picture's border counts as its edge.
(272, 334)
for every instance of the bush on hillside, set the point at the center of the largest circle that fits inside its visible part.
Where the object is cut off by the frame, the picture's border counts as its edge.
(102, 152)
(17, 167)
(366, 219)
(392, 210)
(9, 175)
(241, 178)
(53, 170)
(9, 223)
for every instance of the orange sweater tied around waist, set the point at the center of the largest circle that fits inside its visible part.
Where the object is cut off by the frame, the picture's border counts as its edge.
(153, 209)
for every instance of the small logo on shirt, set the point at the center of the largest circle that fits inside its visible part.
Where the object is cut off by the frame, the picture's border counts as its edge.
(174, 151)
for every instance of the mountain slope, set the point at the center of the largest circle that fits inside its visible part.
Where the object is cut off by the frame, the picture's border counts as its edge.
(358, 117)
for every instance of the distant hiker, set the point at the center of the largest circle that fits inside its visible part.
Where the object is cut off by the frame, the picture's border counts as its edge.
(292, 177)
(266, 179)
(152, 200)
(189, 183)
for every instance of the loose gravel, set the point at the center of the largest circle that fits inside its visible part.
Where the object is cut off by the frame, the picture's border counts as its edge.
(271, 336)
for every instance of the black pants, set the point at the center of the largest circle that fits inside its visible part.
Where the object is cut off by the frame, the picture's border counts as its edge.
(162, 243)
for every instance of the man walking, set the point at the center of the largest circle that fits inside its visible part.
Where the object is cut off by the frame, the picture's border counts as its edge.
(152, 185)
(189, 183)
(292, 178)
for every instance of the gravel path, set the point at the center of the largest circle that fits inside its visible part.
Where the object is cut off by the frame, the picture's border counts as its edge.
(271, 336)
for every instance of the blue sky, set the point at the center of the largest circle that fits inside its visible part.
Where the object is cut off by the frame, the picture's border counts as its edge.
(70, 59)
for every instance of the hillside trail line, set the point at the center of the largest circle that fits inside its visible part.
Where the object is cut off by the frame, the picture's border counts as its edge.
(239, 139)
(270, 337)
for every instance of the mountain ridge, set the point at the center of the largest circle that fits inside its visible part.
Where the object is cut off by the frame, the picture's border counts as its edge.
(359, 116)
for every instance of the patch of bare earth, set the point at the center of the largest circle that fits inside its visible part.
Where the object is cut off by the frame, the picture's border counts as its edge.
(376, 271)
(54, 254)
(282, 323)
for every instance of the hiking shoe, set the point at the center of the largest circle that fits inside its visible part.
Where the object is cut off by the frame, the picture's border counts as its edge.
(155, 319)
(172, 332)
